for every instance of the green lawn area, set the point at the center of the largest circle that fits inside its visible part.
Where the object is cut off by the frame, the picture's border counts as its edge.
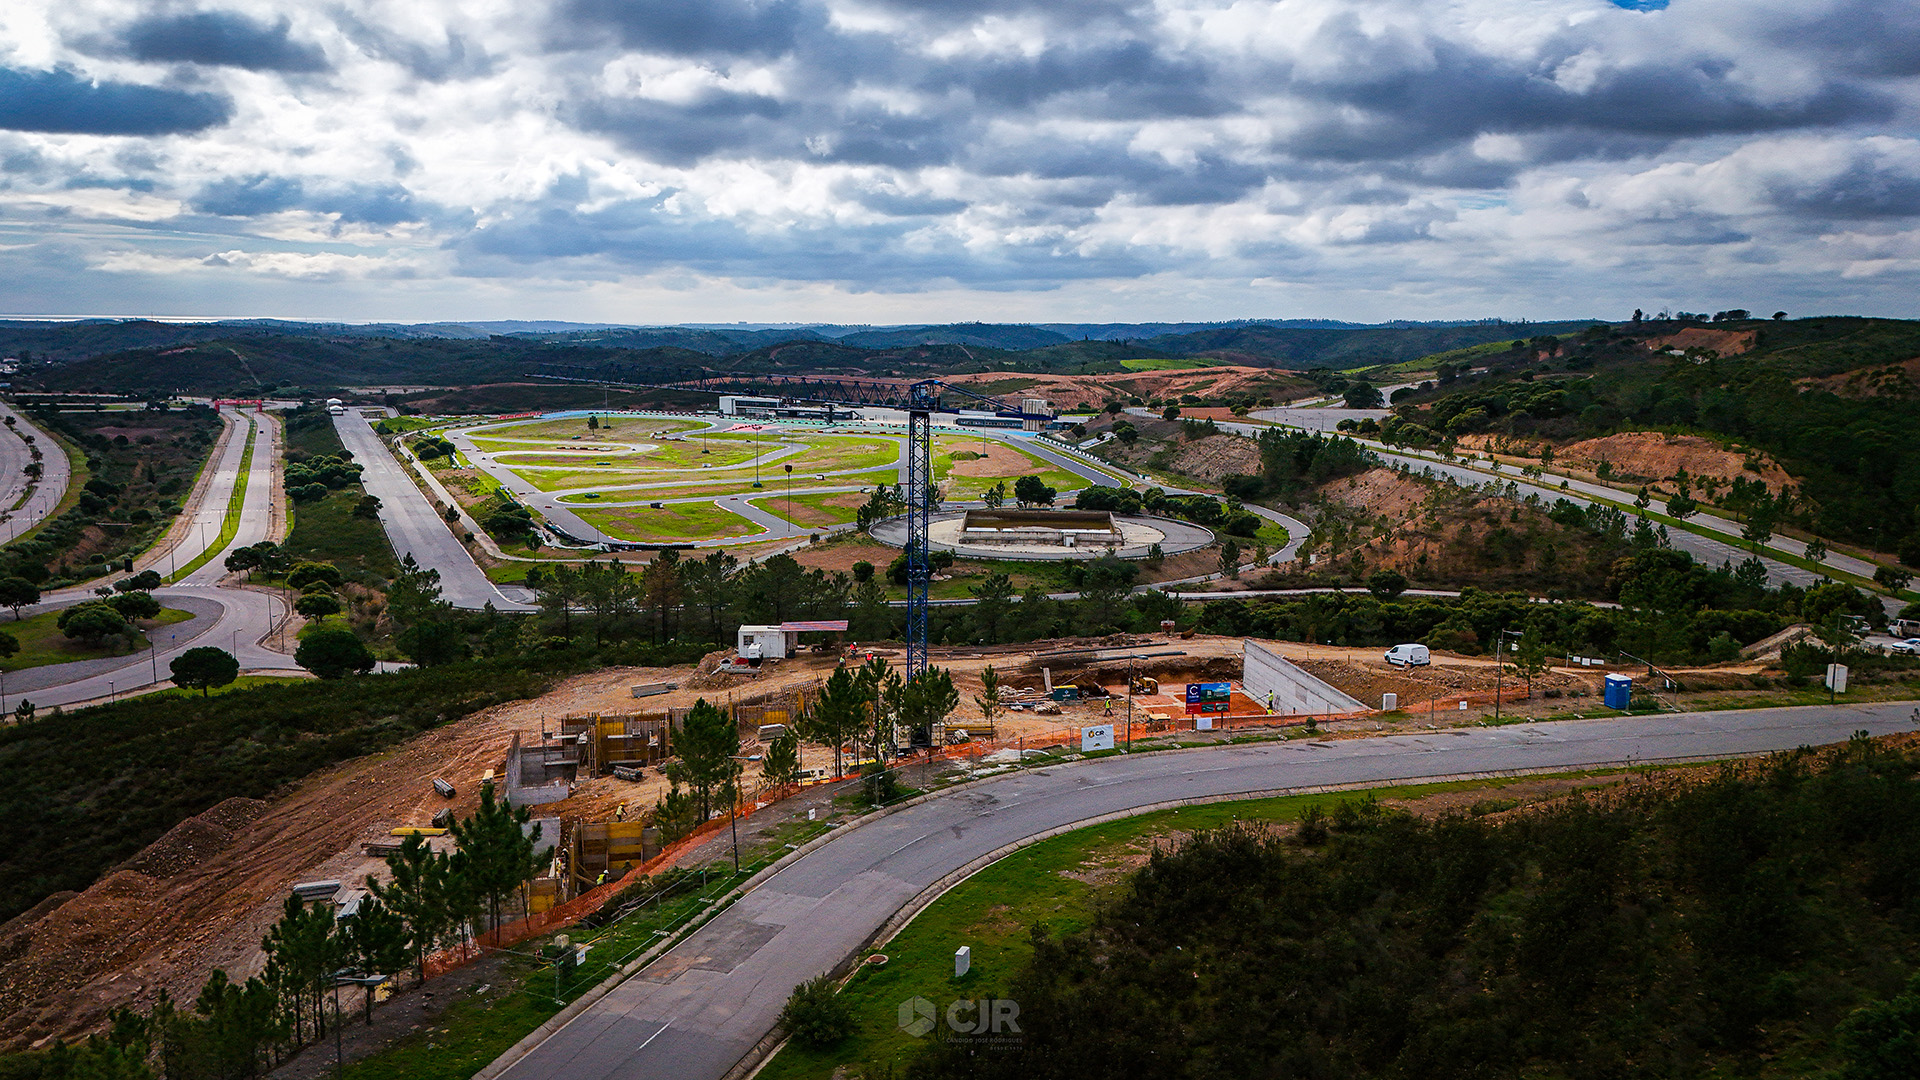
(42, 643)
(731, 485)
(1057, 883)
(971, 487)
(607, 427)
(326, 531)
(679, 521)
(822, 508)
(834, 453)
(230, 522)
(394, 425)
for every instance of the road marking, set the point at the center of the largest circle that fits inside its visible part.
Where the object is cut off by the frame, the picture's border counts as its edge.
(905, 846)
(655, 1035)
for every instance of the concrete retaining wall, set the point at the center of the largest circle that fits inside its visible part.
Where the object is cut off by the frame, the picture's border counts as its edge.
(1294, 691)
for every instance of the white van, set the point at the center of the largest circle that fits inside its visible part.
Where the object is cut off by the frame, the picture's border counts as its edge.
(1409, 656)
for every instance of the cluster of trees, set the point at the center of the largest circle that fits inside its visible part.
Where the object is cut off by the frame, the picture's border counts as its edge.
(135, 482)
(1683, 929)
(1226, 515)
(434, 446)
(109, 620)
(684, 599)
(870, 708)
(1672, 611)
(432, 900)
(310, 478)
(876, 708)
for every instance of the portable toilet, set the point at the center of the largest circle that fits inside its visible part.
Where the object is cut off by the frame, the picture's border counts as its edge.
(1619, 691)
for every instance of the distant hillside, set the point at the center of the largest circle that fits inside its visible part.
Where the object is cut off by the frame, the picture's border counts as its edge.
(1341, 348)
(982, 335)
(1835, 401)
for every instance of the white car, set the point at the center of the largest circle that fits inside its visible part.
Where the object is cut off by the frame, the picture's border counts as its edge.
(1909, 647)
(1409, 656)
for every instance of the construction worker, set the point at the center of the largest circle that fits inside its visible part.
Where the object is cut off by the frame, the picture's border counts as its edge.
(1269, 703)
(1109, 705)
(602, 879)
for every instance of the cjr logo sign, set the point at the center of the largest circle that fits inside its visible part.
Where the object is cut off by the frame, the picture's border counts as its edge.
(917, 1016)
(966, 1016)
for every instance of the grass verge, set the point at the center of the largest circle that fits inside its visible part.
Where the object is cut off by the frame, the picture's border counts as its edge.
(1057, 883)
(43, 643)
(230, 522)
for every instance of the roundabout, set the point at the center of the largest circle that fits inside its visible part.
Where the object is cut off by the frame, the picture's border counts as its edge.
(1042, 535)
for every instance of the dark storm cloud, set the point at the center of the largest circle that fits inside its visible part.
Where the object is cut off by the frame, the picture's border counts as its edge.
(1398, 111)
(642, 234)
(454, 58)
(1867, 37)
(1863, 190)
(249, 196)
(62, 102)
(697, 27)
(368, 204)
(219, 38)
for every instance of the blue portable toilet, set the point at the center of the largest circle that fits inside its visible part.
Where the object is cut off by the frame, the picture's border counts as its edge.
(1619, 691)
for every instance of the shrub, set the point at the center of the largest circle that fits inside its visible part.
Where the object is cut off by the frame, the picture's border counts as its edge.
(815, 1016)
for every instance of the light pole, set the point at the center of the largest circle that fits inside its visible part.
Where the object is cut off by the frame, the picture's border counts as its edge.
(756, 455)
(1499, 670)
(790, 521)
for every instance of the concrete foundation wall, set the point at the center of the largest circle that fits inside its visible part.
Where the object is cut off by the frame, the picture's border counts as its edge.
(1294, 691)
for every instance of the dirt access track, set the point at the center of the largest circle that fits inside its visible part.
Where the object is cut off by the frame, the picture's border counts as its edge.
(202, 896)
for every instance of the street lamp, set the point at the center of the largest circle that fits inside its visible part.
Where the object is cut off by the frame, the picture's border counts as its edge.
(790, 521)
(1499, 671)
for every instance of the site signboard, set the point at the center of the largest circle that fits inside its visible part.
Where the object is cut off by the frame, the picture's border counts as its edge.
(1209, 697)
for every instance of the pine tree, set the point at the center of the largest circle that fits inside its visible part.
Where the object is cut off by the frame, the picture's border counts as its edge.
(499, 851)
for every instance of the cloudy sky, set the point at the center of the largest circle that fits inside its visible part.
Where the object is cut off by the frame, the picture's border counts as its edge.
(660, 161)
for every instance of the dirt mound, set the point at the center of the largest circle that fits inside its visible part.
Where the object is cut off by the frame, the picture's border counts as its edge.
(1094, 391)
(1382, 492)
(1417, 687)
(993, 459)
(1724, 342)
(51, 960)
(190, 842)
(1650, 455)
(1890, 380)
(1217, 456)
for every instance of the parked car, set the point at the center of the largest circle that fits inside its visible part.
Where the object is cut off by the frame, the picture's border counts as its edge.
(1409, 656)
(1909, 647)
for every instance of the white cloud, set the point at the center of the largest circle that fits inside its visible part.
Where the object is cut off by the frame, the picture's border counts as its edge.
(1460, 157)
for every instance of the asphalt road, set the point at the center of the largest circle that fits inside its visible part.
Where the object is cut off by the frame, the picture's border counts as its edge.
(231, 618)
(411, 523)
(42, 495)
(697, 1010)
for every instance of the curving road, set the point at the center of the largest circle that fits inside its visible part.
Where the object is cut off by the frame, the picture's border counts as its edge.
(25, 503)
(700, 1008)
(226, 615)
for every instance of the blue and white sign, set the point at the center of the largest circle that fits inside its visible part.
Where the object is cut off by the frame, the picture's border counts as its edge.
(1096, 738)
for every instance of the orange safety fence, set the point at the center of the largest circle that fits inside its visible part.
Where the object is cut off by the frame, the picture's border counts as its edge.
(572, 911)
(594, 899)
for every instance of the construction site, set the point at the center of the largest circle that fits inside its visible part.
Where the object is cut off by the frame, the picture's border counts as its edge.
(587, 758)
